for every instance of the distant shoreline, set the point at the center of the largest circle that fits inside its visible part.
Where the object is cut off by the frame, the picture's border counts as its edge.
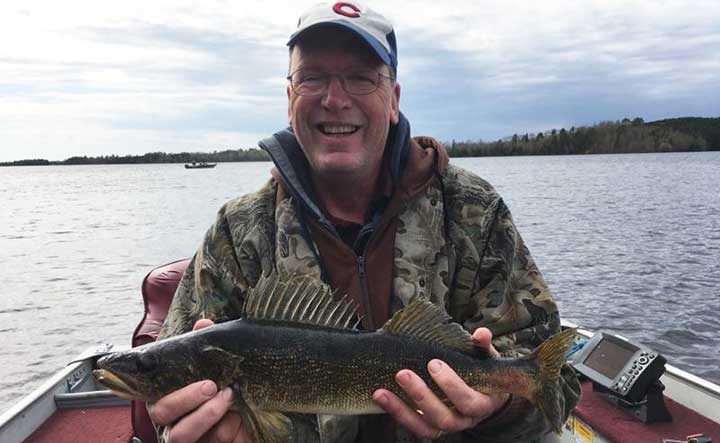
(685, 134)
(451, 154)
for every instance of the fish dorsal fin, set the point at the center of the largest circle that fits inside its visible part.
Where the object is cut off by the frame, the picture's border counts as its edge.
(427, 322)
(299, 299)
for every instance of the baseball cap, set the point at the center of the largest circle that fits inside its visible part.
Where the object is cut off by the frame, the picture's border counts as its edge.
(374, 29)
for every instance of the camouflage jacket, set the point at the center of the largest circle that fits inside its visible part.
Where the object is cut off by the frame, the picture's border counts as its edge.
(455, 243)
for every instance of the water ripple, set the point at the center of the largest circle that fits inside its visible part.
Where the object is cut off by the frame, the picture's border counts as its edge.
(621, 248)
(23, 309)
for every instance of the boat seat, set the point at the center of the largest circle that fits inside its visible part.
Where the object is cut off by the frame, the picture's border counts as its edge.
(158, 290)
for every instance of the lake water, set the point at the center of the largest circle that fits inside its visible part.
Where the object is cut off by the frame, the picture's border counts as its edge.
(629, 243)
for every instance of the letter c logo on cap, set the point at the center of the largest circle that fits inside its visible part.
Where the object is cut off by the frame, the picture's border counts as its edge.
(341, 8)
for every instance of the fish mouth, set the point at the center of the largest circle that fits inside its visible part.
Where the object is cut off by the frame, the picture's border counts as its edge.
(117, 385)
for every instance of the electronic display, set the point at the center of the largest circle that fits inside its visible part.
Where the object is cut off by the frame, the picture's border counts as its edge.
(619, 366)
(609, 359)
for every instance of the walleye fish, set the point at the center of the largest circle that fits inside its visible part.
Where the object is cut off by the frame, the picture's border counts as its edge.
(297, 349)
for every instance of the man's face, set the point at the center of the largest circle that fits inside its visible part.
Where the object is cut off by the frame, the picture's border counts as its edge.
(342, 133)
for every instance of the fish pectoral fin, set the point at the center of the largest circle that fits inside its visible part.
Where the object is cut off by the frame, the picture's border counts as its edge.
(221, 356)
(263, 426)
(274, 427)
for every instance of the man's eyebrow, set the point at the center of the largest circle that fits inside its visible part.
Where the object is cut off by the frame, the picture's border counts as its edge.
(316, 67)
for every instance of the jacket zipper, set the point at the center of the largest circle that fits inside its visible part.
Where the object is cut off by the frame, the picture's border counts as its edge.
(362, 273)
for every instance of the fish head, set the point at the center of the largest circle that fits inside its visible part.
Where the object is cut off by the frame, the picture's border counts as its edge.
(154, 370)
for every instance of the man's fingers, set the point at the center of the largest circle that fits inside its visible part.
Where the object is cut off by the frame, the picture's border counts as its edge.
(197, 423)
(435, 412)
(466, 400)
(229, 430)
(482, 337)
(401, 412)
(176, 404)
(203, 323)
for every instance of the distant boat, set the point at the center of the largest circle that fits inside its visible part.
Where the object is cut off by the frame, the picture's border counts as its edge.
(199, 165)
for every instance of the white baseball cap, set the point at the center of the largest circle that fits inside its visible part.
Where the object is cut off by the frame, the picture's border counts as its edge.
(375, 29)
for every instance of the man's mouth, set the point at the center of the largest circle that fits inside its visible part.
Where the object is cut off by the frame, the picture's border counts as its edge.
(337, 130)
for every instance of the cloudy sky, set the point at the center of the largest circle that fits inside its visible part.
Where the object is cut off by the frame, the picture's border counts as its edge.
(99, 77)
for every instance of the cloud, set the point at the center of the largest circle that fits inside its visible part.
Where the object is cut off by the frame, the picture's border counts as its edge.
(128, 77)
(491, 69)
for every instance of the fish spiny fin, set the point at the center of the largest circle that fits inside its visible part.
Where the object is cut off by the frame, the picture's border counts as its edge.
(263, 426)
(298, 299)
(549, 358)
(286, 315)
(427, 322)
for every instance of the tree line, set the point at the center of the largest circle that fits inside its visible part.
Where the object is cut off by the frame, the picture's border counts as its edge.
(229, 155)
(625, 136)
(618, 137)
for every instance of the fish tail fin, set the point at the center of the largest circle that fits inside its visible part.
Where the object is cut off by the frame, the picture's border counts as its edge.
(548, 359)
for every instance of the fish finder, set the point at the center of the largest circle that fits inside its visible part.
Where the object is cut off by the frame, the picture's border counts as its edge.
(626, 369)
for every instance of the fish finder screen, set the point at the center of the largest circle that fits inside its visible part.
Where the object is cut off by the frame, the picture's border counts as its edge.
(609, 358)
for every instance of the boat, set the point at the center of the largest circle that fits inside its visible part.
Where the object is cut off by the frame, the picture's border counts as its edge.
(693, 404)
(71, 407)
(200, 165)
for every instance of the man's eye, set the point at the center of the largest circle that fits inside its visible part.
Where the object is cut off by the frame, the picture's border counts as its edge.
(362, 77)
(311, 78)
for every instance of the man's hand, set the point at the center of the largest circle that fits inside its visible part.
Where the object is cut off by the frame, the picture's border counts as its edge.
(429, 417)
(198, 413)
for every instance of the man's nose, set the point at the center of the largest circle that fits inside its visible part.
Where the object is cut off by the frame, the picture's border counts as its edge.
(336, 97)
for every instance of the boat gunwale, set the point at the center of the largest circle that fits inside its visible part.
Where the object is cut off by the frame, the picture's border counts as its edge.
(689, 390)
(21, 420)
(670, 370)
(34, 409)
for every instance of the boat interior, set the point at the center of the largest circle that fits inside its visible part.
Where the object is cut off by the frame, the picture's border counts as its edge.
(72, 407)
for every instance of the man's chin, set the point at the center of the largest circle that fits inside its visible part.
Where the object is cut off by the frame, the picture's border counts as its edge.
(339, 166)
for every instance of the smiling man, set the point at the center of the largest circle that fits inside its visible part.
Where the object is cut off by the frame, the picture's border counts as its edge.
(354, 200)
(342, 102)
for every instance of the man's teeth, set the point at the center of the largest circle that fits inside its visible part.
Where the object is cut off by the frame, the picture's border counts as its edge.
(338, 129)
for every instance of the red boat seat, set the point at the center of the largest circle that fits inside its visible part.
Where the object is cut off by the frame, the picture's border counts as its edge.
(158, 290)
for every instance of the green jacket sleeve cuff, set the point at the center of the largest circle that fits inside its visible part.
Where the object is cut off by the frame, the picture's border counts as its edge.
(517, 419)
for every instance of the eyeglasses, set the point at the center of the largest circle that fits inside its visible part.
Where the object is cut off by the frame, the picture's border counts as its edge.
(360, 82)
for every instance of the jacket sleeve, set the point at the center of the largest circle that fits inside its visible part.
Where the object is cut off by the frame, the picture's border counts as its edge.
(511, 298)
(204, 290)
(213, 287)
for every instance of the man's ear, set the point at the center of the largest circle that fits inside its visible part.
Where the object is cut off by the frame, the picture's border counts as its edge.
(289, 105)
(395, 105)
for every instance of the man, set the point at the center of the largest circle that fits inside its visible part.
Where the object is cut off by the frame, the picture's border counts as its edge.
(381, 217)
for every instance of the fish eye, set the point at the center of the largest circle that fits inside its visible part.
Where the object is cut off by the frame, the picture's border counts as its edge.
(147, 362)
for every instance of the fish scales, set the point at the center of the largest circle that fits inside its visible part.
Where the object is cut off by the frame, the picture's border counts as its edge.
(293, 353)
(329, 371)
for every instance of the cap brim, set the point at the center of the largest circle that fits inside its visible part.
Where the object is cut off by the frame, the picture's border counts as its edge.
(367, 38)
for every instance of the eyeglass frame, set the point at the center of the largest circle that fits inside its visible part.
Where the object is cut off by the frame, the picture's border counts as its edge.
(328, 77)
